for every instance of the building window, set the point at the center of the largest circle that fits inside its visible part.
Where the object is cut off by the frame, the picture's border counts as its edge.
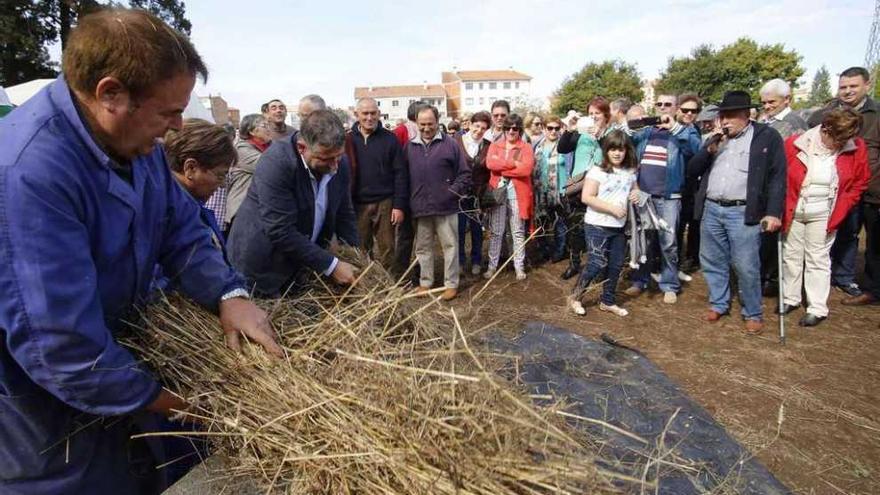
(378, 103)
(516, 85)
(469, 101)
(482, 101)
(395, 103)
(507, 85)
(493, 85)
(481, 85)
(468, 85)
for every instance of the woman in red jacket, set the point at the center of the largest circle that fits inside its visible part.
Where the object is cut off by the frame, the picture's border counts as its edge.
(510, 162)
(827, 173)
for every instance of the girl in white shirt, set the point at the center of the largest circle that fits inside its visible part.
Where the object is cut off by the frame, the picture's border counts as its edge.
(606, 192)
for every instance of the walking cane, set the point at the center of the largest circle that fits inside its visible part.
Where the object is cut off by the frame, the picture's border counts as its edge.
(779, 278)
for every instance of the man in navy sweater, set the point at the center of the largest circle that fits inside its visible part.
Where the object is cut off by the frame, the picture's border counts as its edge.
(298, 200)
(380, 181)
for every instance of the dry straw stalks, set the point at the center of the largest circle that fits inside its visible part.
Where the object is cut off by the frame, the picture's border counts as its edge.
(378, 393)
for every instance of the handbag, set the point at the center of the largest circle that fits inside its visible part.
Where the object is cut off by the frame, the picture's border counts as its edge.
(492, 197)
(575, 184)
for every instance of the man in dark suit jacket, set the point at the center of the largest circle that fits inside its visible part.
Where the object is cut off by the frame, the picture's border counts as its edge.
(298, 200)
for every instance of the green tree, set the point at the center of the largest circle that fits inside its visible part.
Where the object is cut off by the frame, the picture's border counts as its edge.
(68, 11)
(742, 65)
(25, 30)
(820, 92)
(611, 79)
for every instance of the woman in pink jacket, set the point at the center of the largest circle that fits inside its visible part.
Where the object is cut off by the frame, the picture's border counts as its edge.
(510, 162)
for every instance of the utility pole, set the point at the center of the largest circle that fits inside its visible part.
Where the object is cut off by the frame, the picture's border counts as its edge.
(872, 55)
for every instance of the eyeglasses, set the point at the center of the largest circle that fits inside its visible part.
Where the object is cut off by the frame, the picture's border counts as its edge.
(692, 111)
(661, 104)
(499, 115)
(514, 129)
(538, 124)
(553, 128)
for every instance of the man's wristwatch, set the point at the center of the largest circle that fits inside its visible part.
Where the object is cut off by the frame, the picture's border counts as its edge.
(235, 293)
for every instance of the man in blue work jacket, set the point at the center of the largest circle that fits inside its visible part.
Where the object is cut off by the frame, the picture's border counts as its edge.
(88, 207)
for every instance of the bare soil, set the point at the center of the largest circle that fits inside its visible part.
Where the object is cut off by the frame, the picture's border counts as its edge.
(825, 380)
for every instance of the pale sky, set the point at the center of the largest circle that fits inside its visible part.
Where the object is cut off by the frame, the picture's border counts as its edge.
(286, 49)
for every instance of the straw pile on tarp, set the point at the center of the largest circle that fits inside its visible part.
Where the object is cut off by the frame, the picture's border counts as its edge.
(379, 393)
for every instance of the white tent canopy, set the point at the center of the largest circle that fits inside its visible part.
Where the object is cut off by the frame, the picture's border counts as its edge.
(20, 93)
(4, 98)
(195, 109)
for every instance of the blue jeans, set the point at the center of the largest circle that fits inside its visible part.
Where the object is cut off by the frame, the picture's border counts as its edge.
(607, 248)
(726, 240)
(846, 248)
(668, 210)
(469, 222)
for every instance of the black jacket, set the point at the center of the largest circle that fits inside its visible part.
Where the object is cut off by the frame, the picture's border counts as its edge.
(270, 241)
(765, 187)
(379, 167)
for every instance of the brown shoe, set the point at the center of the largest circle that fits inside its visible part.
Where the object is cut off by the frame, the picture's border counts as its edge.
(712, 316)
(421, 291)
(863, 300)
(448, 294)
(754, 327)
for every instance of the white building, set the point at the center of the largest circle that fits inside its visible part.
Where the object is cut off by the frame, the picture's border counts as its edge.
(470, 91)
(393, 101)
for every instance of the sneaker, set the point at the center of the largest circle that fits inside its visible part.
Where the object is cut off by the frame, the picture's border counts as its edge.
(520, 275)
(475, 270)
(851, 290)
(656, 277)
(684, 277)
(490, 272)
(670, 297)
(576, 306)
(613, 308)
(633, 291)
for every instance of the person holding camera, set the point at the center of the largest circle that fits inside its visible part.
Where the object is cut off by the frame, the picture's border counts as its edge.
(663, 150)
(741, 193)
(582, 138)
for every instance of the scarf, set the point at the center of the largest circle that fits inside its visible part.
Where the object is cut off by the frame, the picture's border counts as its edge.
(259, 145)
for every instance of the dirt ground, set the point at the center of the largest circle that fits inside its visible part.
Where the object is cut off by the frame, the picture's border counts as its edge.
(826, 379)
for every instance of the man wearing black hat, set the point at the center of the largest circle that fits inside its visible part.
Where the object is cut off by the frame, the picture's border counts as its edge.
(742, 191)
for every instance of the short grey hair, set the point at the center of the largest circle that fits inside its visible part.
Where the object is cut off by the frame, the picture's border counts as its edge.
(248, 124)
(777, 87)
(621, 105)
(316, 101)
(322, 128)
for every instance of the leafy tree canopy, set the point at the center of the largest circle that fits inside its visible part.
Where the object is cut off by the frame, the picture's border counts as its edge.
(611, 79)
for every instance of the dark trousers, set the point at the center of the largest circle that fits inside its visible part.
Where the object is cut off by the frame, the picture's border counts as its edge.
(871, 215)
(552, 243)
(606, 248)
(687, 235)
(469, 221)
(769, 258)
(403, 249)
(574, 234)
(845, 249)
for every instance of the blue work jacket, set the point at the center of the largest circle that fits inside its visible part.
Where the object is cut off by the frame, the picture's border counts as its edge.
(78, 246)
(683, 144)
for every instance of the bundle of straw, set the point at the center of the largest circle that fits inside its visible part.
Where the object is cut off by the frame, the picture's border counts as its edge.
(378, 393)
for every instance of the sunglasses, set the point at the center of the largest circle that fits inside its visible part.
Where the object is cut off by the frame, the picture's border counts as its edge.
(661, 104)
(499, 115)
(553, 128)
(515, 129)
(692, 111)
(538, 124)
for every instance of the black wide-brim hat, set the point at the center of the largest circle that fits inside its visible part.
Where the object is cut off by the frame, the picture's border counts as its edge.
(736, 100)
